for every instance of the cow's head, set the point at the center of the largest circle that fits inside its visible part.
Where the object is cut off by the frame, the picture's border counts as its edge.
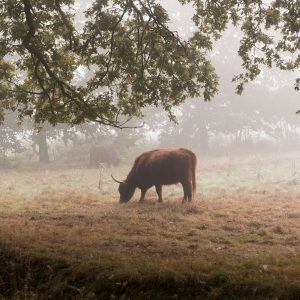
(126, 190)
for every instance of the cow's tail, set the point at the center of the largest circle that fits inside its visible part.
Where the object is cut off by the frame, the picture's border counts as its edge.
(194, 174)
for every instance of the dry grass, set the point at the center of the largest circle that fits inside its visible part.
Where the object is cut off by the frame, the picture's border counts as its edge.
(244, 225)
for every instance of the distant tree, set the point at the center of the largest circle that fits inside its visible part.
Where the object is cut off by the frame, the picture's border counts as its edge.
(42, 138)
(40, 145)
(10, 141)
(128, 55)
(191, 130)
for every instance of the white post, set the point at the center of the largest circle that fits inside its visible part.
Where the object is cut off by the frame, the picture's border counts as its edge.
(101, 172)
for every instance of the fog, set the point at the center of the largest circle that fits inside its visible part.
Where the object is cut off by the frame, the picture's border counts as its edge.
(262, 119)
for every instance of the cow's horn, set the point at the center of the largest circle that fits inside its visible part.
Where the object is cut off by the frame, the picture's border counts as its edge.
(115, 179)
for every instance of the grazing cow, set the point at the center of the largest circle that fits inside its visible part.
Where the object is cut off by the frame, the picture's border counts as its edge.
(160, 167)
(103, 154)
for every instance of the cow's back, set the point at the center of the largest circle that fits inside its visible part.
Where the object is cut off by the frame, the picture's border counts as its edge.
(165, 166)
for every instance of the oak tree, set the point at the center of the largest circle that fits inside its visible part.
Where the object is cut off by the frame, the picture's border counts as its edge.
(123, 56)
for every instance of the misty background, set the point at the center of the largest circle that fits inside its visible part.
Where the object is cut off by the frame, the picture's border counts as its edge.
(263, 119)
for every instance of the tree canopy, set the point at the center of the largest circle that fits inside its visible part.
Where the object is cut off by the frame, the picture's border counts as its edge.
(122, 55)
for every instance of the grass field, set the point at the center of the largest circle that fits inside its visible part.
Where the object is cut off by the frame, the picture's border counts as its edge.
(63, 238)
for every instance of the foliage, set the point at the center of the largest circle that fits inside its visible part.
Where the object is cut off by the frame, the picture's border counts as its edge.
(265, 112)
(123, 56)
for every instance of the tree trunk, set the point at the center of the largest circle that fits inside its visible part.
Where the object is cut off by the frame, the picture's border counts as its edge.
(41, 141)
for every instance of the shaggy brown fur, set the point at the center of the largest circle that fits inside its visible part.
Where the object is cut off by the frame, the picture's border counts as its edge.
(161, 167)
(103, 154)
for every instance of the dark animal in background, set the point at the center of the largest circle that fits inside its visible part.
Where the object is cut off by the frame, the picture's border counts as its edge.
(103, 154)
(160, 167)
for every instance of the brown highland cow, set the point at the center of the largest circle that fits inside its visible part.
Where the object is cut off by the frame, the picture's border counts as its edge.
(103, 154)
(160, 167)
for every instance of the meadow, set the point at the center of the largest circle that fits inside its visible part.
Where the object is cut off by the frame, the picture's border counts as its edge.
(61, 237)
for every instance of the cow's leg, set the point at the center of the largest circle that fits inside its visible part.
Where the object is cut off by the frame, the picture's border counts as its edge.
(158, 191)
(143, 193)
(185, 191)
(190, 191)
